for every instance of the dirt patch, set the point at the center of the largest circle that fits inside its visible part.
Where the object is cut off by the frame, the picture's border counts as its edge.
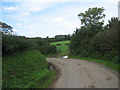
(78, 64)
(91, 86)
(108, 78)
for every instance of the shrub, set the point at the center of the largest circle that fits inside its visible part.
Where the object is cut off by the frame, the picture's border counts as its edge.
(58, 44)
(12, 44)
(47, 49)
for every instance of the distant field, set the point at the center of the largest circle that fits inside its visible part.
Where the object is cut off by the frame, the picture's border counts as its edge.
(62, 46)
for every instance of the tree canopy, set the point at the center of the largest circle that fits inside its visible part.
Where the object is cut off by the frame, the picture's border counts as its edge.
(93, 16)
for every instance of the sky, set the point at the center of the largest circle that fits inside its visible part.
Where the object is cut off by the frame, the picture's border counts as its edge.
(42, 18)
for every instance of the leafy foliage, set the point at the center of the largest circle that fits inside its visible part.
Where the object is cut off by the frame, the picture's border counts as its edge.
(95, 40)
(12, 44)
(92, 17)
(43, 46)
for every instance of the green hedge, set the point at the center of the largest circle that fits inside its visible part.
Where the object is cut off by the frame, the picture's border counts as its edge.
(12, 44)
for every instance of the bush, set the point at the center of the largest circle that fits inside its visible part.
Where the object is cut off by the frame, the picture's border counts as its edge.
(58, 44)
(67, 44)
(12, 44)
(111, 56)
(47, 49)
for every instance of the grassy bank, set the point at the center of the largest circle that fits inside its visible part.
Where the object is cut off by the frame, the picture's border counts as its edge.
(26, 70)
(104, 62)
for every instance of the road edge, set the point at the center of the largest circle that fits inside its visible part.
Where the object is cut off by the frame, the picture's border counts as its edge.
(58, 74)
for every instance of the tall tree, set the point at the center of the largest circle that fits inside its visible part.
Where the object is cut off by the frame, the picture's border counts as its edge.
(92, 17)
(92, 22)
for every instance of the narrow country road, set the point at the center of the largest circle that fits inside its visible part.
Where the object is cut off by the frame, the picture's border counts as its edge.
(83, 74)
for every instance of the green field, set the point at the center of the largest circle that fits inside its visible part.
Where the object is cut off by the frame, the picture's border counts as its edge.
(26, 70)
(62, 48)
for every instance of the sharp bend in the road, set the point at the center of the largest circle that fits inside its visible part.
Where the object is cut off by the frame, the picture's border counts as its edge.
(83, 74)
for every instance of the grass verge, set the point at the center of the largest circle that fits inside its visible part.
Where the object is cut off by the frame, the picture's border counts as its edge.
(112, 65)
(26, 70)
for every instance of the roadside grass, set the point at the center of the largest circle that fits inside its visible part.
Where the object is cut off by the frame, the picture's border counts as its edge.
(104, 62)
(63, 48)
(26, 70)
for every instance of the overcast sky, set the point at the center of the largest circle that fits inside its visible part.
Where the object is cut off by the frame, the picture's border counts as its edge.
(42, 18)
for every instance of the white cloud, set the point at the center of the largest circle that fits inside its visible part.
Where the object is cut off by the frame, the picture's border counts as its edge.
(10, 8)
(32, 26)
(40, 5)
(50, 24)
(58, 19)
(26, 14)
(114, 1)
(34, 6)
(46, 19)
(69, 25)
(19, 24)
(26, 21)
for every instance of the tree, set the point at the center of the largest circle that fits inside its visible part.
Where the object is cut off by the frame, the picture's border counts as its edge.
(95, 40)
(92, 22)
(92, 17)
(106, 43)
(112, 22)
(5, 28)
